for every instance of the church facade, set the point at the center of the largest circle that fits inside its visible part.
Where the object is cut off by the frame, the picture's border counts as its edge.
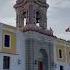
(30, 45)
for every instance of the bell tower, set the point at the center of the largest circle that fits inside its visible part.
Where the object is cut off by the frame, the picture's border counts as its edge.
(31, 14)
(31, 20)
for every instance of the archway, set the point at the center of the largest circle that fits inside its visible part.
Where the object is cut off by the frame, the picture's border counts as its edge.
(44, 62)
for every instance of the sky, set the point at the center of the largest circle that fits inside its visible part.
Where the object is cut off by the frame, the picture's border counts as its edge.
(58, 16)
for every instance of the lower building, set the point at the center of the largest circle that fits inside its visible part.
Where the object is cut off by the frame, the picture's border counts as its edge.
(32, 50)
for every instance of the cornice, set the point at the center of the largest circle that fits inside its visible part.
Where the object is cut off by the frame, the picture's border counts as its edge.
(43, 4)
(41, 1)
(20, 4)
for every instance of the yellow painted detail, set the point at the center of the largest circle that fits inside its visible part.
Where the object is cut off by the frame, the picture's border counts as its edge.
(68, 54)
(62, 47)
(12, 48)
(9, 28)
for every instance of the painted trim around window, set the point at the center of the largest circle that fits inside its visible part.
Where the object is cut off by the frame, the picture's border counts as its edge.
(4, 41)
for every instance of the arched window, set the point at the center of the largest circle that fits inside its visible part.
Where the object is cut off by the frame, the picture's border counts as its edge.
(24, 21)
(60, 53)
(24, 18)
(37, 18)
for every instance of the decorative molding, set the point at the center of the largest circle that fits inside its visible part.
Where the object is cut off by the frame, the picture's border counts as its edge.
(43, 4)
(20, 4)
(31, 27)
(9, 53)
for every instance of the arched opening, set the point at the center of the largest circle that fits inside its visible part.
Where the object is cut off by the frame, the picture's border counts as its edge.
(60, 53)
(43, 65)
(24, 18)
(24, 21)
(37, 18)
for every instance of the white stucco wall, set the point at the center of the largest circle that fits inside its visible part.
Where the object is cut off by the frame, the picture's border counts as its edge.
(13, 61)
(20, 49)
(17, 61)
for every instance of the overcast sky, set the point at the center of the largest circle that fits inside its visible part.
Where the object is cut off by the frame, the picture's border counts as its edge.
(58, 15)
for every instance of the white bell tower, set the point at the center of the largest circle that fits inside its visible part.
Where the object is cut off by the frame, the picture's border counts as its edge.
(31, 15)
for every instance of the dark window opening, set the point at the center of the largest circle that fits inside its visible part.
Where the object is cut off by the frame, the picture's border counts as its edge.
(61, 68)
(24, 14)
(6, 62)
(24, 18)
(7, 41)
(37, 17)
(60, 53)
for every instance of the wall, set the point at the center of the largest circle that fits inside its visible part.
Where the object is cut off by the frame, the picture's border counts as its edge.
(65, 60)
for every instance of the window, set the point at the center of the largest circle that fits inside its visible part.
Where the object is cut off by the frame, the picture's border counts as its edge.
(60, 53)
(24, 21)
(61, 68)
(24, 18)
(37, 17)
(6, 62)
(7, 41)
